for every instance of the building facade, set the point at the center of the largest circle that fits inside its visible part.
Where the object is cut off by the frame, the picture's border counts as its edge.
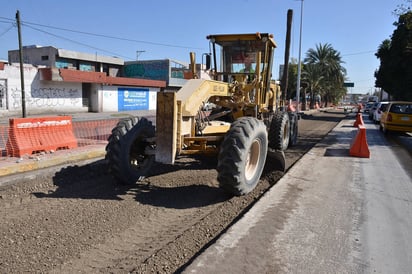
(62, 81)
(66, 59)
(173, 72)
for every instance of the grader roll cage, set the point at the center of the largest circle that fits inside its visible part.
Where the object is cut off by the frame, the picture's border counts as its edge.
(235, 116)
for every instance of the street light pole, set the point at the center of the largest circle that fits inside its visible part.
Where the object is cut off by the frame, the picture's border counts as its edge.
(299, 60)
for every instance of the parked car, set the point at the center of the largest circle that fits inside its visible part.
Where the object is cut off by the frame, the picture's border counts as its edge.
(372, 110)
(378, 112)
(397, 117)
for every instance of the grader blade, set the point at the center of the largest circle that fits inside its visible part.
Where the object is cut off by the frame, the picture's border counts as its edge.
(279, 158)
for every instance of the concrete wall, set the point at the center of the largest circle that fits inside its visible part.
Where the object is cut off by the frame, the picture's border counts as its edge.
(166, 70)
(33, 55)
(55, 97)
(96, 98)
(41, 96)
(116, 98)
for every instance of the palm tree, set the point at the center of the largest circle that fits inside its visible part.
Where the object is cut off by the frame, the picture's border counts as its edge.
(312, 76)
(329, 63)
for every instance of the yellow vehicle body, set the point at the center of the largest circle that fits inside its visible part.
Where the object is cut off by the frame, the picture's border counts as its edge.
(178, 112)
(235, 115)
(397, 117)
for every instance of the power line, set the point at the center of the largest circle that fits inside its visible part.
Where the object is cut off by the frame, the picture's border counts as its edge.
(7, 30)
(76, 42)
(8, 20)
(105, 36)
(358, 53)
(114, 37)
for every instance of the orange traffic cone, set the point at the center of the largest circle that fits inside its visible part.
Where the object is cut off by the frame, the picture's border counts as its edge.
(359, 146)
(359, 120)
(291, 107)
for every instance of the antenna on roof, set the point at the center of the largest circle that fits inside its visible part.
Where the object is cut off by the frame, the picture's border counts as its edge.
(138, 52)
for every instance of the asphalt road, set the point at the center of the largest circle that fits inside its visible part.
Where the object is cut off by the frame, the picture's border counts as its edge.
(386, 196)
(329, 214)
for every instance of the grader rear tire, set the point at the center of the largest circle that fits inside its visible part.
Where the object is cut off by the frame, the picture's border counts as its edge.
(127, 150)
(294, 121)
(242, 156)
(279, 131)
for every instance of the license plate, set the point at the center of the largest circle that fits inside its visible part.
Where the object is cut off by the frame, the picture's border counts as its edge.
(405, 118)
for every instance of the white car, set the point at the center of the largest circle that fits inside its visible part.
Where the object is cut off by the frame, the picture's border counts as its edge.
(372, 110)
(379, 109)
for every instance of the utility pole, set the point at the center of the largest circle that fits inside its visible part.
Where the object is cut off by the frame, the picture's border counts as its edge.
(285, 76)
(23, 94)
(299, 61)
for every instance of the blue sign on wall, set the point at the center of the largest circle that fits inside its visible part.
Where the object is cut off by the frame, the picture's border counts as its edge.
(133, 99)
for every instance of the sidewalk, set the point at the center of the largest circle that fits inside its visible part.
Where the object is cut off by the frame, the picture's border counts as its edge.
(87, 116)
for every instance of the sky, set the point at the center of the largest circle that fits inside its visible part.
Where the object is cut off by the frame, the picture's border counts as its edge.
(164, 29)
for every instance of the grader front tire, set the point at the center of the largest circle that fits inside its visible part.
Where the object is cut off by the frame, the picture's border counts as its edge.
(242, 156)
(127, 150)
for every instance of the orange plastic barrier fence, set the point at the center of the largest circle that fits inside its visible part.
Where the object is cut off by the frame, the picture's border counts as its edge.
(31, 135)
(359, 120)
(88, 132)
(93, 132)
(359, 146)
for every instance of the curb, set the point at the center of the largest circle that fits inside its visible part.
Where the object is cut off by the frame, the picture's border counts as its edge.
(61, 157)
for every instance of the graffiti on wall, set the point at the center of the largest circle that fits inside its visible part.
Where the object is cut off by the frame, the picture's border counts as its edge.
(154, 70)
(3, 93)
(62, 64)
(47, 97)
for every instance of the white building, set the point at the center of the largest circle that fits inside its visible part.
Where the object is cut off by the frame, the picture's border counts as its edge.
(61, 81)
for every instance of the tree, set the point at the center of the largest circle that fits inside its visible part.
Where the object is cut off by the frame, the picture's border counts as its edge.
(383, 74)
(403, 8)
(331, 73)
(395, 71)
(313, 77)
(293, 76)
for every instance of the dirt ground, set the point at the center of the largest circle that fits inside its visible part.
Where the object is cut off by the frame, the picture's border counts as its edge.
(78, 220)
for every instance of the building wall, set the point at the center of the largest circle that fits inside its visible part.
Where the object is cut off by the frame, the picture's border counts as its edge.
(34, 55)
(153, 70)
(96, 98)
(59, 95)
(55, 97)
(116, 98)
(59, 58)
(41, 96)
(166, 70)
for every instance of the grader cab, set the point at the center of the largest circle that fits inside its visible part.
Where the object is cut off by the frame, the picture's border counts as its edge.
(235, 116)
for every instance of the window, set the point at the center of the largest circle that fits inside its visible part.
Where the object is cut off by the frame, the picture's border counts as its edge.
(45, 58)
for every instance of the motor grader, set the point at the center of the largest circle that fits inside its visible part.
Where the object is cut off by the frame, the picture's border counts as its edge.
(235, 116)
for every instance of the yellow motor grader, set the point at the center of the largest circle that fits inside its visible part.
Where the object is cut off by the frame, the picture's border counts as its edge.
(235, 115)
